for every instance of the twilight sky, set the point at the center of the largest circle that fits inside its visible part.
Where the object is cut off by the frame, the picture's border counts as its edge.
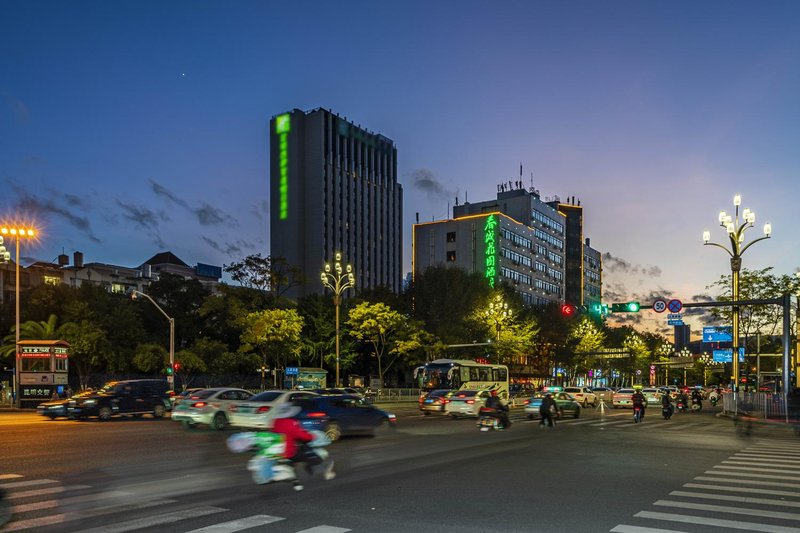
(129, 128)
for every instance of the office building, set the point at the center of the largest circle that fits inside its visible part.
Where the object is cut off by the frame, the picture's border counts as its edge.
(333, 188)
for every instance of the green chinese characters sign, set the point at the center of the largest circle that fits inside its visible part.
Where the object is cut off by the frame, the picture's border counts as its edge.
(282, 127)
(490, 240)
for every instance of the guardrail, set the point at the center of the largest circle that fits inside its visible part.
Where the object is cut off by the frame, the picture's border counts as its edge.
(757, 404)
(395, 395)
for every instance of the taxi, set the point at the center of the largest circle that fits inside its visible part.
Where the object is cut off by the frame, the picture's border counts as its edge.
(209, 406)
(565, 403)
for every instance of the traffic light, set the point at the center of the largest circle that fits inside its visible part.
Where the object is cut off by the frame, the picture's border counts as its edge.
(568, 310)
(628, 307)
(177, 366)
(169, 369)
(598, 309)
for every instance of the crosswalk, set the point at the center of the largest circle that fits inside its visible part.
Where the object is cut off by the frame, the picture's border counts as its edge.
(48, 503)
(755, 489)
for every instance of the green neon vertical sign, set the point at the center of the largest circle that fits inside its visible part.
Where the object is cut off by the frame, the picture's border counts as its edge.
(282, 127)
(490, 240)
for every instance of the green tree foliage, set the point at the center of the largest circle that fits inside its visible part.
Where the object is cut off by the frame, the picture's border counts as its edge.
(585, 337)
(269, 275)
(89, 349)
(379, 325)
(30, 330)
(151, 358)
(273, 333)
(181, 299)
(188, 364)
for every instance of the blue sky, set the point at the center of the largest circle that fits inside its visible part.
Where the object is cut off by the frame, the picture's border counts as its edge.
(128, 128)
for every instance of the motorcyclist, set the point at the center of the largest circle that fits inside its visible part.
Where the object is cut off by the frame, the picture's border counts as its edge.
(297, 439)
(638, 400)
(697, 398)
(499, 409)
(666, 403)
(547, 411)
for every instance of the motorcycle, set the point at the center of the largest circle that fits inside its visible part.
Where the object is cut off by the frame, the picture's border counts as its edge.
(696, 404)
(714, 400)
(268, 464)
(680, 406)
(487, 420)
(637, 414)
(666, 412)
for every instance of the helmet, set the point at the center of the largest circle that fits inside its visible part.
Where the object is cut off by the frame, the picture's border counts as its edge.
(494, 392)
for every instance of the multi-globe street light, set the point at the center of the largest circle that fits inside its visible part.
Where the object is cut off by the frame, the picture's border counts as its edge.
(170, 378)
(736, 229)
(338, 279)
(17, 233)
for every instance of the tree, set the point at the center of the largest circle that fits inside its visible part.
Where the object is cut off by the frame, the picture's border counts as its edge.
(187, 364)
(275, 331)
(585, 337)
(88, 347)
(151, 358)
(377, 324)
(269, 275)
(30, 330)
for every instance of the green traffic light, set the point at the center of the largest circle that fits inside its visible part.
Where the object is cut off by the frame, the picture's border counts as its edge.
(633, 307)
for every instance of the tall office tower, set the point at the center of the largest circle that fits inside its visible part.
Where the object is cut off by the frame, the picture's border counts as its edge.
(333, 188)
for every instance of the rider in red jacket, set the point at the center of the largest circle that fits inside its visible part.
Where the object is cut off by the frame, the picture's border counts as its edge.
(297, 439)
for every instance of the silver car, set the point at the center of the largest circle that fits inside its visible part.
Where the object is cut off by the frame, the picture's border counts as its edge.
(208, 406)
(257, 411)
(466, 403)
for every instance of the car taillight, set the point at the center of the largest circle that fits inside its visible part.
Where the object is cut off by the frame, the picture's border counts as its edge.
(262, 409)
(470, 402)
(315, 414)
(527, 402)
(199, 404)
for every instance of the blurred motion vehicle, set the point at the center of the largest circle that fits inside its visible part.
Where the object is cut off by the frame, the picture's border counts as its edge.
(566, 404)
(466, 403)
(134, 397)
(209, 407)
(180, 396)
(622, 398)
(434, 401)
(653, 396)
(255, 411)
(339, 416)
(58, 408)
(603, 394)
(583, 395)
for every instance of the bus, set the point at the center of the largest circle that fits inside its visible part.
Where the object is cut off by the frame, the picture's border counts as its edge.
(455, 374)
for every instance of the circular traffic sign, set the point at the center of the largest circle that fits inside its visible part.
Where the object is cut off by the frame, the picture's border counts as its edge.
(638, 372)
(659, 306)
(675, 306)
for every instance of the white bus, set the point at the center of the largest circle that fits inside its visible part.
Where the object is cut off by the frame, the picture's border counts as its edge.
(456, 374)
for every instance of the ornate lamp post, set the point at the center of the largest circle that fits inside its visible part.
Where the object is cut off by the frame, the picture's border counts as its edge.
(170, 378)
(16, 233)
(705, 360)
(338, 280)
(736, 230)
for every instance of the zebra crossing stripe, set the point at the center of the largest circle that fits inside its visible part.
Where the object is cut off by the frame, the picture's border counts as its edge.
(238, 525)
(700, 520)
(44, 492)
(728, 509)
(29, 483)
(746, 474)
(755, 468)
(728, 498)
(771, 457)
(622, 528)
(325, 529)
(748, 490)
(68, 517)
(751, 481)
(157, 520)
(49, 504)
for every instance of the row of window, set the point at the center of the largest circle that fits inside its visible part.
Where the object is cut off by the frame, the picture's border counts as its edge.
(547, 221)
(555, 258)
(532, 299)
(548, 287)
(555, 274)
(593, 264)
(513, 275)
(594, 277)
(546, 237)
(516, 239)
(516, 257)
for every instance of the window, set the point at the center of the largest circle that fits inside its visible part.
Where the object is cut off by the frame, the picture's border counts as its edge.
(451, 256)
(35, 364)
(451, 236)
(61, 363)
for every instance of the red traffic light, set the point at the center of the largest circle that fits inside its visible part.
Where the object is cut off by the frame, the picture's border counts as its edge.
(567, 310)
(176, 366)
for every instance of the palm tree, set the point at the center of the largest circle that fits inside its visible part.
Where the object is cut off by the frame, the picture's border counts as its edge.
(30, 330)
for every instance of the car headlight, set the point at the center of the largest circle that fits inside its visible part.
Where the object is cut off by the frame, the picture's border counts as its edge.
(90, 402)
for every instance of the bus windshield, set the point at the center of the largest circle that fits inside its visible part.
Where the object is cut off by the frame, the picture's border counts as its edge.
(439, 376)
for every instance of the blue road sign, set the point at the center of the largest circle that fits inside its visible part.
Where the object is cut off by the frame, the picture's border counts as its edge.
(675, 322)
(725, 355)
(717, 334)
(291, 371)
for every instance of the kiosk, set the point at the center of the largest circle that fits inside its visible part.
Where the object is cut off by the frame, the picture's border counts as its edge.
(42, 368)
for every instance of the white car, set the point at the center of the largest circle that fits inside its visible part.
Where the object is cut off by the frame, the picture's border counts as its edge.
(208, 406)
(466, 402)
(583, 395)
(256, 411)
(653, 396)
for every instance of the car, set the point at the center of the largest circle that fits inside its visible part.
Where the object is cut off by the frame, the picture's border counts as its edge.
(622, 398)
(603, 394)
(466, 403)
(434, 401)
(255, 412)
(653, 396)
(344, 415)
(584, 395)
(209, 407)
(179, 397)
(133, 397)
(58, 408)
(565, 403)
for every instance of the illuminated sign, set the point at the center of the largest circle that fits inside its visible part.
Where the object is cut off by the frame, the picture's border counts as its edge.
(282, 127)
(490, 239)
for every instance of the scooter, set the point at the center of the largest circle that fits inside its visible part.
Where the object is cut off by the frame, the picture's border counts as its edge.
(637, 414)
(268, 464)
(696, 405)
(666, 412)
(487, 421)
(680, 406)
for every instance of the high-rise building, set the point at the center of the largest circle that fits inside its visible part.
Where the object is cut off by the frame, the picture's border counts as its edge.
(583, 264)
(333, 188)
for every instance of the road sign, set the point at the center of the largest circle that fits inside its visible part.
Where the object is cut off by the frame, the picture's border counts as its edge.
(659, 306)
(291, 371)
(674, 316)
(676, 322)
(726, 355)
(652, 370)
(675, 306)
(638, 372)
(717, 334)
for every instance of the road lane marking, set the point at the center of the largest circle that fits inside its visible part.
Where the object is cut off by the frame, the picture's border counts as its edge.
(765, 464)
(68, 517)
(240, 524)
(157, 520)
(728, 509)
(771, 483)
(623, 528)
(771, 457)
(325, 529)
(49, 504)
(739, 489)
(30, 483)
(746, 474)
(728, 498)
(700, 520)
(43, 492)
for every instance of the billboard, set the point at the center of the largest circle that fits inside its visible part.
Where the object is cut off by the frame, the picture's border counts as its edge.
(208, 271)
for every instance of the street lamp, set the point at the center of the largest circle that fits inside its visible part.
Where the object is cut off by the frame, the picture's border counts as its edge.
(338, 280)
(705, 360)
(170, 379)
(16, 233)
(736, 229)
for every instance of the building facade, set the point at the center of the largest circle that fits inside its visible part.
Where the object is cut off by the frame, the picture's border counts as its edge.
(333, 188)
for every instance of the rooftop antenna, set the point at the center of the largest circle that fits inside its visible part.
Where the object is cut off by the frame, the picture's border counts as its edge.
(532, 189)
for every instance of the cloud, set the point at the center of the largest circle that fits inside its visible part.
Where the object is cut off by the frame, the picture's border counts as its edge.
(261, 210)
(146, 219)
(425, 181)
(17, 106)
(27, 202)
(206, 214)
(236, 248)
(618, 264)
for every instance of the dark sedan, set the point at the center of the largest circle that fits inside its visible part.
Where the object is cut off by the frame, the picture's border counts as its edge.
(342, 415)
(58, 408)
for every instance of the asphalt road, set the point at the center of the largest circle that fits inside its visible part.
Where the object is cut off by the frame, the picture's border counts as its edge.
(600, 472)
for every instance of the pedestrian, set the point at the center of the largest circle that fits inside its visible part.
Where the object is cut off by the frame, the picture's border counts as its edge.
(68, 392)
(548, 411)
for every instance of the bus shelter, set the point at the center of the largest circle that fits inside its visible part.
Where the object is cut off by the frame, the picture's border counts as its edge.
(42, 369)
